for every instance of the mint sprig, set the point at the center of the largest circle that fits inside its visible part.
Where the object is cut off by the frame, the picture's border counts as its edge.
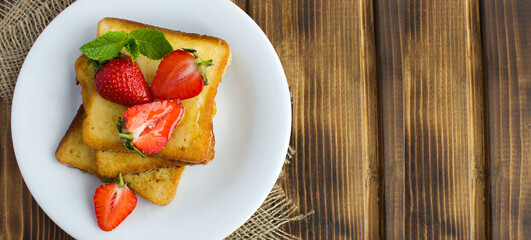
(151, 43)
(105, 47)
(132, 48)
(148, 42)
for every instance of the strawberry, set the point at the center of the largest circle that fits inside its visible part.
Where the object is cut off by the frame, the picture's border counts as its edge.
(113, 202)
(181, 75)
(120, 80)
(147, 128)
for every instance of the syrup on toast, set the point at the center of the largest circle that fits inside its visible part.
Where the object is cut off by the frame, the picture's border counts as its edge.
(193, 139)
(109, 163)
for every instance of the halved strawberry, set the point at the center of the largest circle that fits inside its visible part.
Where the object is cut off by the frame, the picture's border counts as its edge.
(148, 127)
(113, 202)
(180, 75)
(121, 81)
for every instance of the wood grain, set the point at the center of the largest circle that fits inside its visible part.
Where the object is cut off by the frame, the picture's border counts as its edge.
(478, 159)
(390, 41)
(328, 53)
(507, 61)
(22, 218)
(429, 58)
(411, 120)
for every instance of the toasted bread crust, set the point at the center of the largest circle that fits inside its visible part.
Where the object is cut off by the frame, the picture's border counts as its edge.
(110, 164)
(84, 78)
(128, 26)
(69, 151)
(158, 185)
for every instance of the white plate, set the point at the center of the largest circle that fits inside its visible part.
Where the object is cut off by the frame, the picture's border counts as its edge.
(252, 125)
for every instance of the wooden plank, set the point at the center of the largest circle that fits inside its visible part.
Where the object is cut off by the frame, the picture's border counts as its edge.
(390, 17)
(22, 218)
(328, 53)
(430, 73)
(478, 162)
(507, 57)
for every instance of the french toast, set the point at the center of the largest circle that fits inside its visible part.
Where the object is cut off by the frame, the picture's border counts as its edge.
(193, 139)
(72, 151)
(157, 185)
(110, 163)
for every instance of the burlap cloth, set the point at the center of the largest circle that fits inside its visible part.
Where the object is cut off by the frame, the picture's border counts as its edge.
(20, 25)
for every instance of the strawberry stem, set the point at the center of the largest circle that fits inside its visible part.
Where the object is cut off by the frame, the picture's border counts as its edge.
(206, 63)
(130, 186)
(127, 137)
(191, 51)
(201, 65)
(120, 179)
(139, 152)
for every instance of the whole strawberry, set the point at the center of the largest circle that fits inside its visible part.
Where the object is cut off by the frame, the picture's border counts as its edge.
(120, 80)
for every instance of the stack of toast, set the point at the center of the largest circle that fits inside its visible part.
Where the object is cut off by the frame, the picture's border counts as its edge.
(92, 143)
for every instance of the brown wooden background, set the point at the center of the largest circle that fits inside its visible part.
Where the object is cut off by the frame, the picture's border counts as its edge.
(411, 120)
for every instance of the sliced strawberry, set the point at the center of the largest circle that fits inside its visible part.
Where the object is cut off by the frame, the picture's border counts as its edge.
(121, 81)
(147, 128)
(181, 75)
(113, 203)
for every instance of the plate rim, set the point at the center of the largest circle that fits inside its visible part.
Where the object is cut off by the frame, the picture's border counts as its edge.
(59, 18)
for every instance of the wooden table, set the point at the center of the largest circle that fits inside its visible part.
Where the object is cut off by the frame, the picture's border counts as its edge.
(411, 120)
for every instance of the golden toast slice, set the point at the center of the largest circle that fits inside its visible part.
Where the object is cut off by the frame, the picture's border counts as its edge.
(157, 186)
(109, 163)
(193, 139)
(72, 151)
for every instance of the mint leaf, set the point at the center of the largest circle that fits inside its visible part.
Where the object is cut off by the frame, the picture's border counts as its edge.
(105, 47)
(151, 43)
(132, 48)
